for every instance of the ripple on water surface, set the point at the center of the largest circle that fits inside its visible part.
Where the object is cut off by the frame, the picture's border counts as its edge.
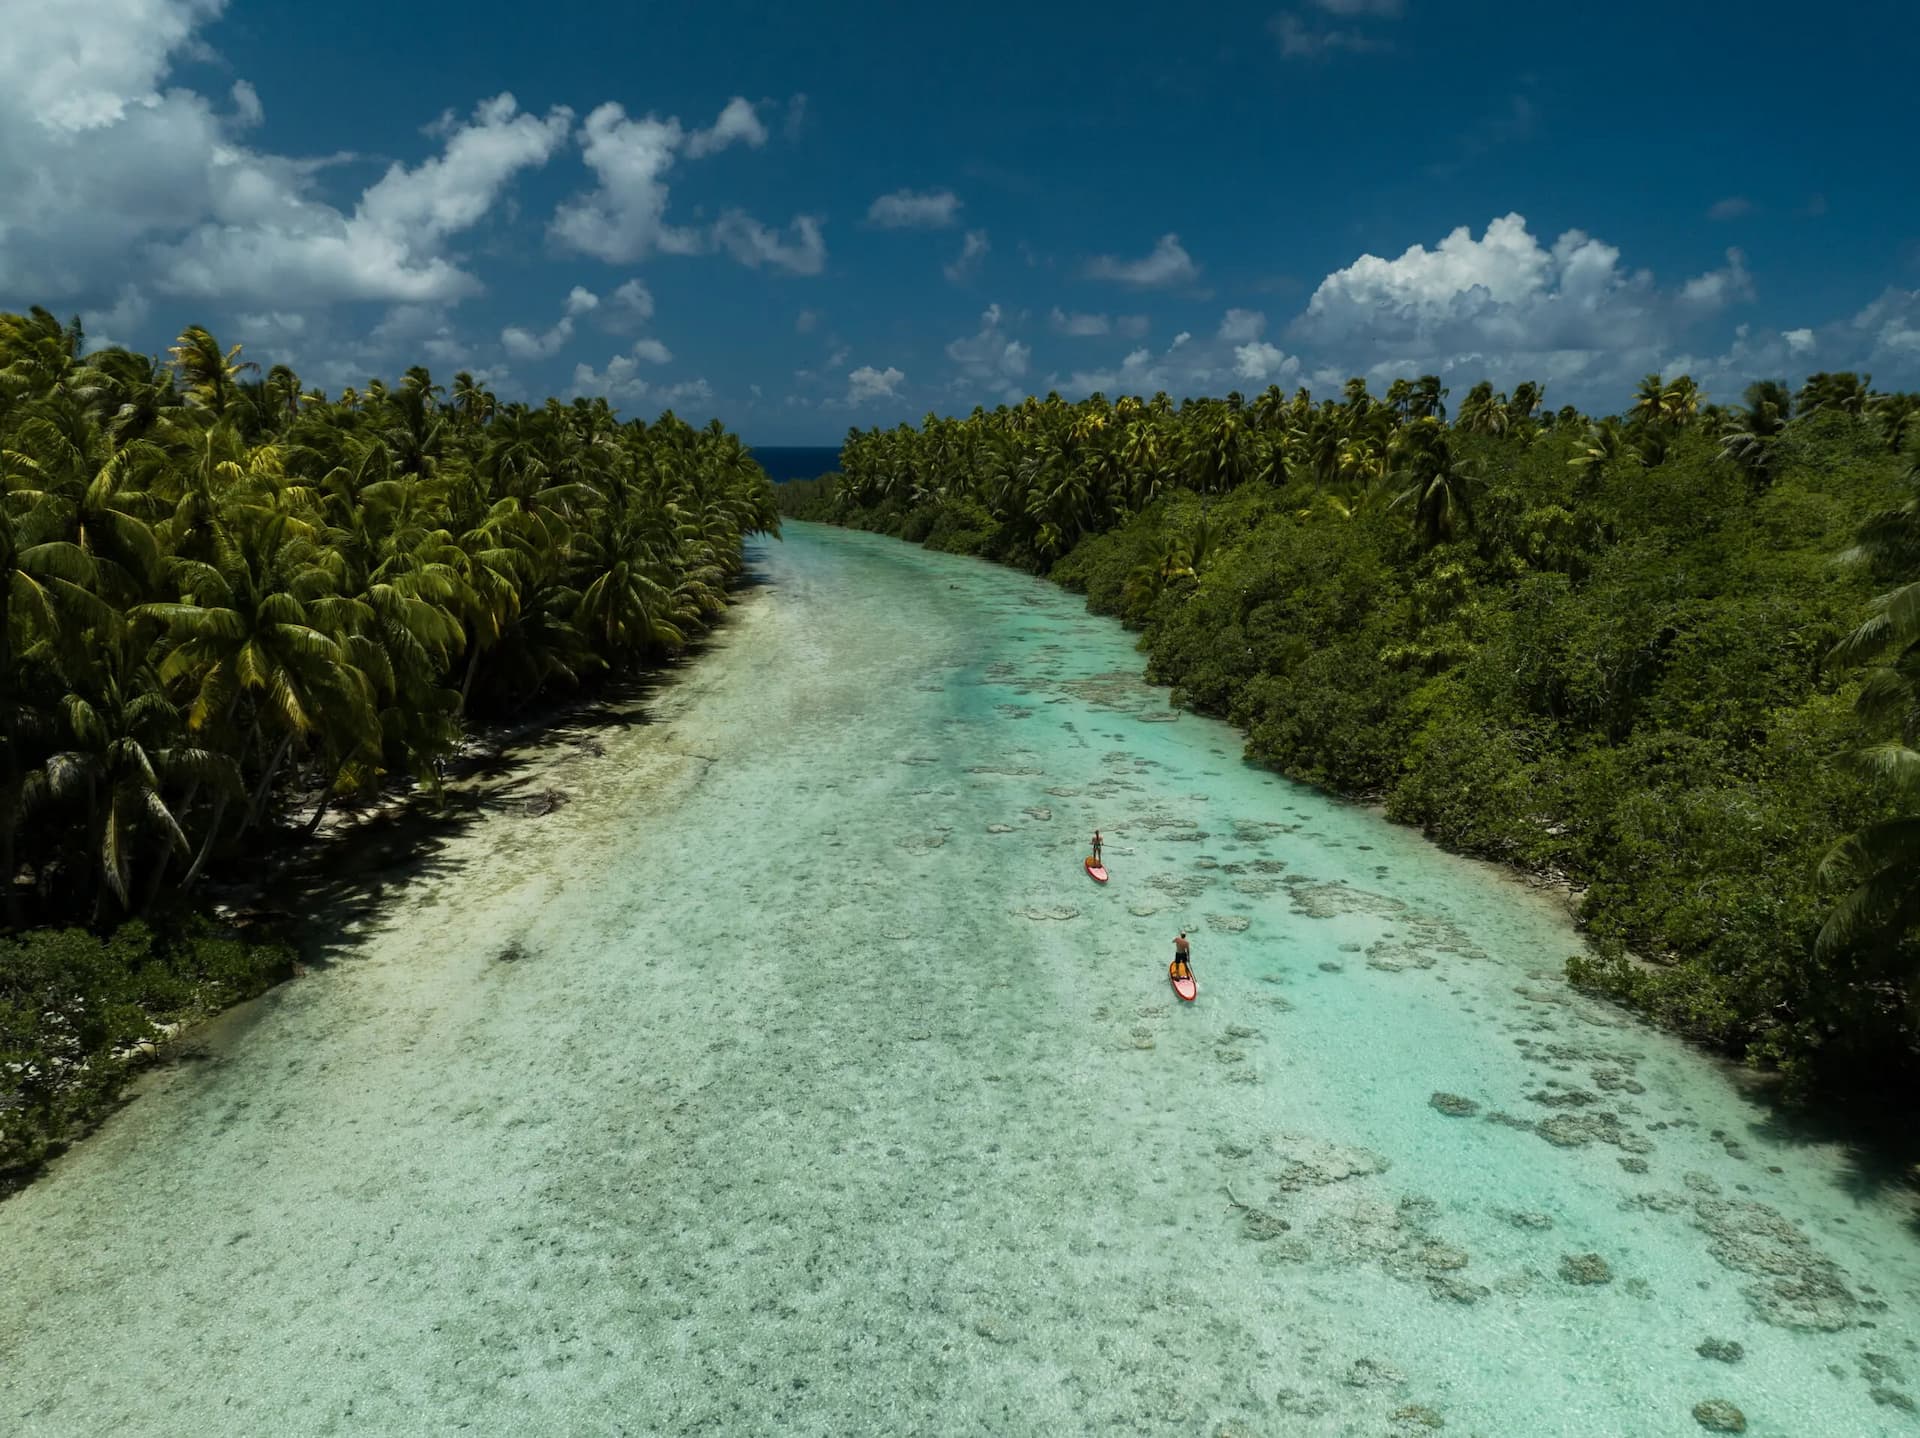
(820, 1090)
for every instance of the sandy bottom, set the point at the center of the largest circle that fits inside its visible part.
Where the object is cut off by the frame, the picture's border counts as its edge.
(794, 1077)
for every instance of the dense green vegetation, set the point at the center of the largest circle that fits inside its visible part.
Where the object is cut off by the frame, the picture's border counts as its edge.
(228, 602)
(1604, 651)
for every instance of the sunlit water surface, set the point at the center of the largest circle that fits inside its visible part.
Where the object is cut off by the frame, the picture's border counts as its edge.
(793, 1077)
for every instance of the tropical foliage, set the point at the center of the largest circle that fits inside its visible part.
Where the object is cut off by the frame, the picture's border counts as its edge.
(1602, 650)
(228, 601)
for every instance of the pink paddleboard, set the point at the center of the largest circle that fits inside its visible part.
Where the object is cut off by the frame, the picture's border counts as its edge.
(1098, 872)
(1186, 988)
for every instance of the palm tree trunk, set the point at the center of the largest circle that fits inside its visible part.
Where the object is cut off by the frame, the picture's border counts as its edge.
(266, 785)
(206, 847)
(326, 798)
(186, 807)
(7, 861)
(10, 775)
(160, 866)
(466, 685)
(226, 715)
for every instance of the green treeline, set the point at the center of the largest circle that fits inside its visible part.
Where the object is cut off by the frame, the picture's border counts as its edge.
(228, 602)
(1603, 650)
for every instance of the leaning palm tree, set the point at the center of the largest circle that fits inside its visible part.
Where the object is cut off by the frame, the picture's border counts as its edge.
(1897, 416)
(1751, 436)
(472, 401)
(266, 624)
(49, 597)
(626, 608)
(120, 751)
(1881, 863)
(1605, 443)
(1439, 486)
(1169, 559)
(208, 375)
(1876, 866)
(1429, 398)
(1482, 411)
(1649, 401)
(1845, 391)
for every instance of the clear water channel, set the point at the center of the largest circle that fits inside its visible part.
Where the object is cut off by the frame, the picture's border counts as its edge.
(794, 1077)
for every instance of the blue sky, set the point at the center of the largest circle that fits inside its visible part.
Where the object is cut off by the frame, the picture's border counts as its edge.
(803, 223)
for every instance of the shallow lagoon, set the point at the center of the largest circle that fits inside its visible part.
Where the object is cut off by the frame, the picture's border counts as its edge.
(793, 1075)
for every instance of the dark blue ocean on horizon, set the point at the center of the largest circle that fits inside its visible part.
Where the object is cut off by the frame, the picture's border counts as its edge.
(784, 462)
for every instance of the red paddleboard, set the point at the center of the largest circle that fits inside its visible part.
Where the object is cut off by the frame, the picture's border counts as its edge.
(1098, 871)
(1185, 987)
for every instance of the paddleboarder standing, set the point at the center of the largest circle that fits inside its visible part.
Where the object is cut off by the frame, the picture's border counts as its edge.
(1183, 954)
(1096, 850)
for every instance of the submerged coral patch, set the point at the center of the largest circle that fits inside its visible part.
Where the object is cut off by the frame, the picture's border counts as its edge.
(1796, 1286)
(1394, 956)
(1585, 1269)
(1319, 899)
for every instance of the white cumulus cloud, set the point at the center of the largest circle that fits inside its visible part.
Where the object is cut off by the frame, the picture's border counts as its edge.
(630, 307)
(78, 67)
(110, 169)
(1720, 287)
(621, 383)
(1241, 325)
(1506, 307)
(754, 245)
(1183, 368)
(990, 358)
(1302, 38)
(118, 323)
(1168, 264)
(868, 383)
(1263, 363)
(907, 209)
(1504, 292)
(973, 252)
(247, 109)
(523, 344)
(1078, 326)
(625, 218)
(266, 239)
(1886, 333)
(739, 123)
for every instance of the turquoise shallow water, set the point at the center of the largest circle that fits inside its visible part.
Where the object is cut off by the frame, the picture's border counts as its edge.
(793, 1077)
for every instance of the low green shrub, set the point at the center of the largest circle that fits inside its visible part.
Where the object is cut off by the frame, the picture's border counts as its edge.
(75, 1007)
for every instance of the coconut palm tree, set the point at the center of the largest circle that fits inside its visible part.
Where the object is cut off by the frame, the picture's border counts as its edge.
(1878, 864)
(1429, 398)
(119, 752)
(1439, 487)
(196, 563)
(1750, 436)
(1482, 411)
(1845, 391)
(207, 375)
